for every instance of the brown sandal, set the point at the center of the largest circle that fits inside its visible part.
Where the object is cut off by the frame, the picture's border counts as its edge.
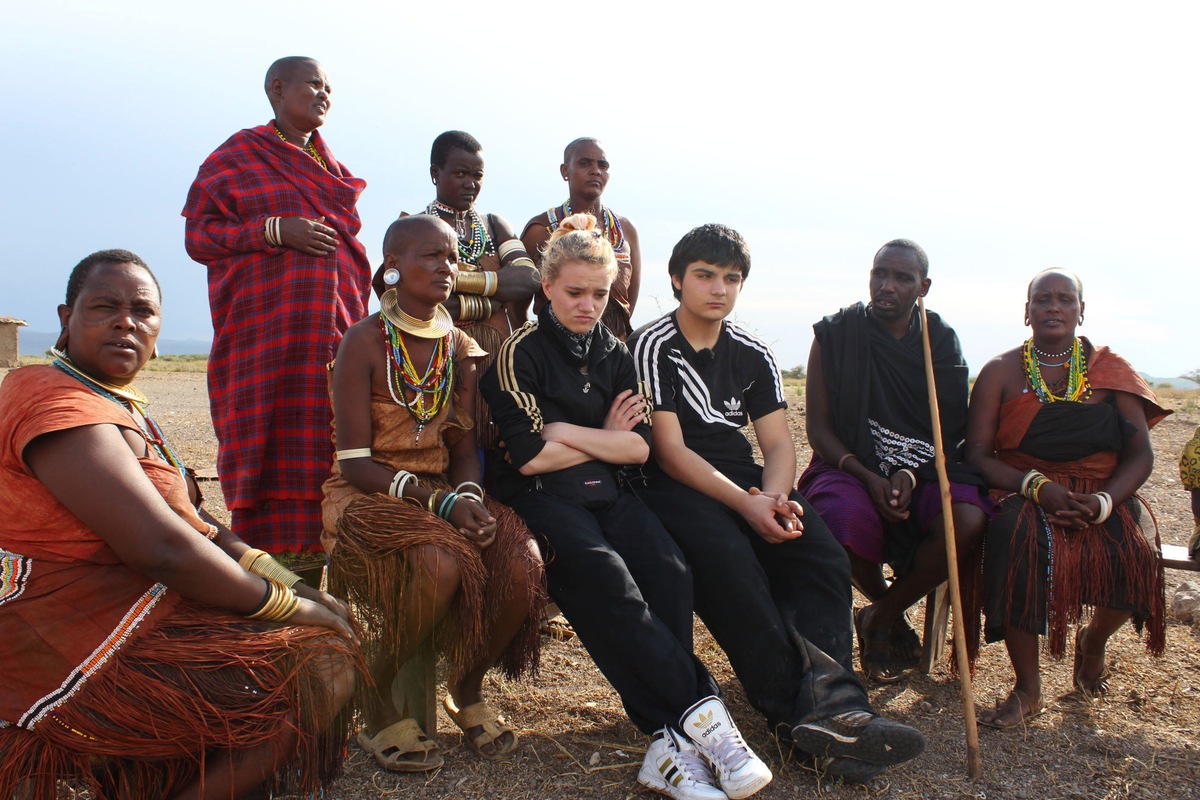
(402, 747)
(492, 725)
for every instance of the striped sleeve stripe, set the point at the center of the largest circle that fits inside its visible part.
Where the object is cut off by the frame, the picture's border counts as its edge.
(695, 394)
(646, 353)
(755, 343)
(507, 375)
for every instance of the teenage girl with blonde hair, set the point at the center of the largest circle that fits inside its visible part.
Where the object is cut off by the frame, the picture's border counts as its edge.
(564, 394)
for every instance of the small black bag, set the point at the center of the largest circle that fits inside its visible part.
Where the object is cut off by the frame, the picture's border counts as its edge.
(589, 485)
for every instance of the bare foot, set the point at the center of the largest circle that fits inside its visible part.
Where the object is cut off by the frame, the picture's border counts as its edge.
(905, 642)
(1015, 710)
(1090, 672)
(875, 650)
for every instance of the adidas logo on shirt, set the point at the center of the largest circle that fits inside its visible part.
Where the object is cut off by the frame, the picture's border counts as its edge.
(735, 407)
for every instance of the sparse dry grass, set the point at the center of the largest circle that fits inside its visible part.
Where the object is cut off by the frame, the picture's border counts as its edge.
(1143, 741)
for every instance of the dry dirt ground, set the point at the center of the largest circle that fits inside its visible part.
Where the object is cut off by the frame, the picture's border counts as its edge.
(1142, 741)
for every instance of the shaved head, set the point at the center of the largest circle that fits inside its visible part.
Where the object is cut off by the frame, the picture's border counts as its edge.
(283, 69)
(400, 230)
(575, 145)
(1071, 276)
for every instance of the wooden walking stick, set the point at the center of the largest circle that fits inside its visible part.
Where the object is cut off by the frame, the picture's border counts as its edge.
(974, 764)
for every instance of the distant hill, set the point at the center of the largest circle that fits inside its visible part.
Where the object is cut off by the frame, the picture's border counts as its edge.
(35, 343)
(1174, 383)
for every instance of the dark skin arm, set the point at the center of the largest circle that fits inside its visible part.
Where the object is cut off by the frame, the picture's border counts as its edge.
(516, 283)
(122, 506)
(535, 236)
(359, 365)
(890, 497)
(635, 262)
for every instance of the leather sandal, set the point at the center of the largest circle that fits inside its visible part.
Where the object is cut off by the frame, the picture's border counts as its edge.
(492, 728)
(402, 747)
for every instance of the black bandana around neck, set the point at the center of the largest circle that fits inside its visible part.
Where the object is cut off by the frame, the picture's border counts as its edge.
(577, 345)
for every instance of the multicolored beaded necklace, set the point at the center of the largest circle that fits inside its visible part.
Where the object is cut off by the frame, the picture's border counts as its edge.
(471, 249)
(436, 383)
(1078, 389)
(122, 395)
(309, 148)
(612, 225)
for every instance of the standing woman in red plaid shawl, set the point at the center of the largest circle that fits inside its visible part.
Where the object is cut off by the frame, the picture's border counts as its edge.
(272, 215)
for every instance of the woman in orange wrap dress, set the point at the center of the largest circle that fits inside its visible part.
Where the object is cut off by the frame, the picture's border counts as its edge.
(149, 652)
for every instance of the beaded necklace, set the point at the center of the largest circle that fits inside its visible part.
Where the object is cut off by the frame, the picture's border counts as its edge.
(612, 225)
(471, 249)
(1078, 389)
(123, 396)
(309, 148)
(436, 383)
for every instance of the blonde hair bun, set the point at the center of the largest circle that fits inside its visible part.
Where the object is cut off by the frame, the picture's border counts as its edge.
(575, 222)
(577, 238)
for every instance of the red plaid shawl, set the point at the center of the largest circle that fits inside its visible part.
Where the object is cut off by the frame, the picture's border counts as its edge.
(278, 314)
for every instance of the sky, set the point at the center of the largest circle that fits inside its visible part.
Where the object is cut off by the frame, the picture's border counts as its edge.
(1004, 138)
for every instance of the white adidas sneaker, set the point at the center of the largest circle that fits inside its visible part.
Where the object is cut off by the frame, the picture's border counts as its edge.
(674, 767)
(740, 773)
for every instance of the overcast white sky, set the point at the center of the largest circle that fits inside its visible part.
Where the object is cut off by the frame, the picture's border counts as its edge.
(1004, 138)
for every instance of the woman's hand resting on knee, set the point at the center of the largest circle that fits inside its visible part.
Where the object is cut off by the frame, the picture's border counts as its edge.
(474, 522)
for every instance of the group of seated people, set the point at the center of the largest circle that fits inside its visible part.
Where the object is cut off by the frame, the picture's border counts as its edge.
(484, 463)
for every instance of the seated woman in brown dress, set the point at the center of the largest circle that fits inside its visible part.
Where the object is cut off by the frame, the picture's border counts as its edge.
(412, 541)
(1061, 430)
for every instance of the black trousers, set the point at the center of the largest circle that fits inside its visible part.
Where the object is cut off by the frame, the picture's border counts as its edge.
(624, 586)
(781, 611)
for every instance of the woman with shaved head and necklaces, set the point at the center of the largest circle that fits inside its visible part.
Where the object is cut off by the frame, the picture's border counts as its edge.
(585, 170)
